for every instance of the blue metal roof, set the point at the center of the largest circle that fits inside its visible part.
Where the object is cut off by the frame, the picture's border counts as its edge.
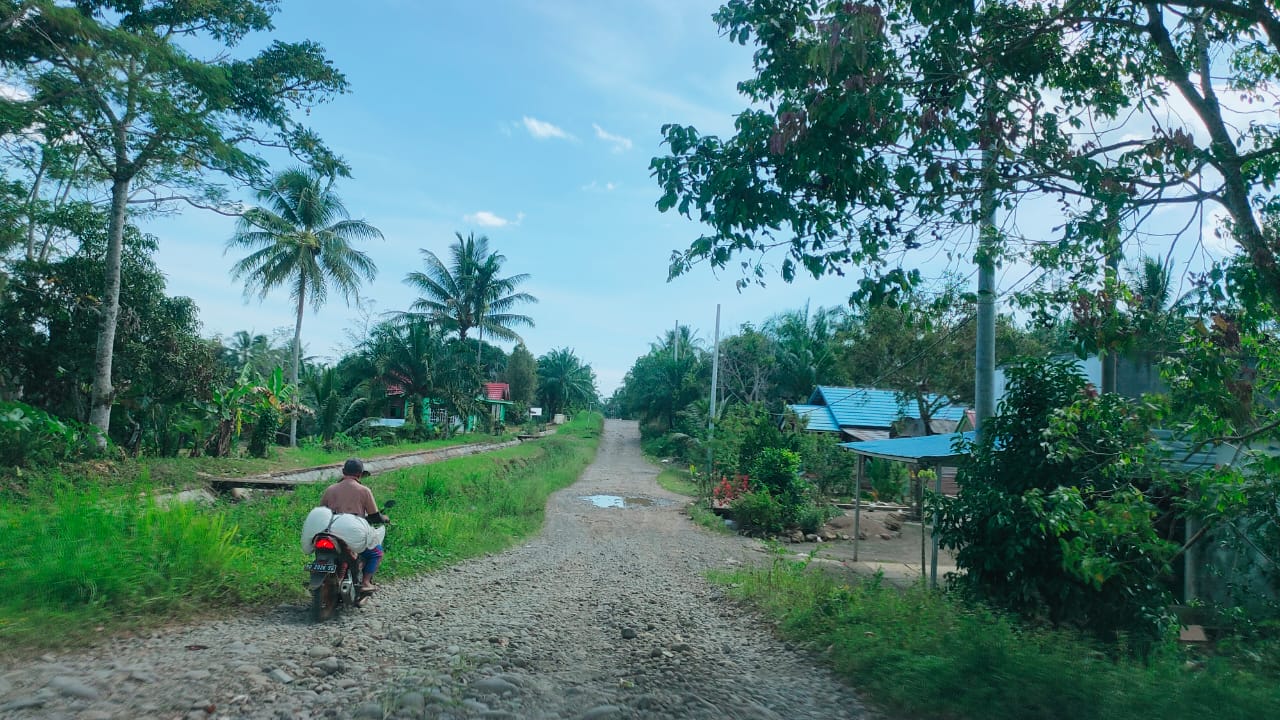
(818, 416)
(927, 449)
(867, 407)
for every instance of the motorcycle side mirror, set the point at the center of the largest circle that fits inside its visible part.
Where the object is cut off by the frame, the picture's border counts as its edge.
(388, 504)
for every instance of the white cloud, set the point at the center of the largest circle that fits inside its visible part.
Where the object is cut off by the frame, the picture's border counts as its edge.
(544, 130)
(484, 218)
(620, 144)
(13, 92)
(595, 186)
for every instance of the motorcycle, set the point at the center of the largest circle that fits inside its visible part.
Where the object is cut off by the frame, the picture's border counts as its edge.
(336, 573)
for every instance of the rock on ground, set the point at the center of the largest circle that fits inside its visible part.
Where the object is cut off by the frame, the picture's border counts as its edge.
(605, 614)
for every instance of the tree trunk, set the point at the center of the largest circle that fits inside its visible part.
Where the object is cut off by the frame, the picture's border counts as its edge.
(297, 357)
(103, 393)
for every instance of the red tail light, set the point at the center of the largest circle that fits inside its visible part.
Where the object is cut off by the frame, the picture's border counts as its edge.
(324, 543)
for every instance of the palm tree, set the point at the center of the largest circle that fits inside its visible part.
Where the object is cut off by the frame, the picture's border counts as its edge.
(468, 292)
(806, 349)
(335, 410)
(302, 238)
(564, 382)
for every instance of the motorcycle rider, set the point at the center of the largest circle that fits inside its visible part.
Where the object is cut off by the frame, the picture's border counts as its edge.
(349, 496)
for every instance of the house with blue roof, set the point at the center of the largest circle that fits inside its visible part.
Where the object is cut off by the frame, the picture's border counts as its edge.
(871, 414)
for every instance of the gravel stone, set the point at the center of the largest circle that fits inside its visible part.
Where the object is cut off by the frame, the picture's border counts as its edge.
(74, 688)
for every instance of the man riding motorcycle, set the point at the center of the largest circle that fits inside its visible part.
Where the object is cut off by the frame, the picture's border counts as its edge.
(349, 496)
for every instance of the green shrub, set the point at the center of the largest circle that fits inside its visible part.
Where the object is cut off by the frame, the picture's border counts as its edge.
(779, 471)
(887, 479)
(812, 517)
(1052, 521)
(923, 654)
(30, 436)
(264, 432)
(759, 513)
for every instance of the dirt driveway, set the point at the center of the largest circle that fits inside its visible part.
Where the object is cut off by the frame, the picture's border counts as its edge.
(606, 614)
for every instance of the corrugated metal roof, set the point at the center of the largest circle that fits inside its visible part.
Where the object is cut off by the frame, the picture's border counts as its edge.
(818, 416)
(867, 407)
(497, 391)
(926, 449)
(859, 434)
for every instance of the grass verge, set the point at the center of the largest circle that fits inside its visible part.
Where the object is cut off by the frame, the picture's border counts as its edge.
(182, 472)
(922, 654)
(97, 559)
(678, 482)
(681, 483)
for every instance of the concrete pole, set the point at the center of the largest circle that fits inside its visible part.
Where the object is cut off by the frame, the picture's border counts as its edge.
(985, 376)
(857, 504)
(715, 379)
(933, 533)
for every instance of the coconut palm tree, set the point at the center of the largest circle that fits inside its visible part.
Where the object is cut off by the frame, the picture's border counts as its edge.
(469, 293)
(301, 238)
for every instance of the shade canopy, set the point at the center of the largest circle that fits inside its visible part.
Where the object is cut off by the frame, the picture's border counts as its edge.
(924, 450)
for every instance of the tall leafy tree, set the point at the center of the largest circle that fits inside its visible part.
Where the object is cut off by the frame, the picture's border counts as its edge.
(301, 238)
(565, 382)
(659, 385)
(880, 131)
(48, 326)
(469, 292)
(522, 374)
(747, 365)
(152, 118)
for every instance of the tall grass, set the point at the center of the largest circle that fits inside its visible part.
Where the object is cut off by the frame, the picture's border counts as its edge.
(182, 472)
(921, 653)
(80, 557)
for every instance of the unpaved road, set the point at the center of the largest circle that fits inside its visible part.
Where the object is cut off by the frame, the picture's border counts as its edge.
(606, 614)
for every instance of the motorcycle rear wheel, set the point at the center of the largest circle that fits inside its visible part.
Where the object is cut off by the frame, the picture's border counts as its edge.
(324, 599)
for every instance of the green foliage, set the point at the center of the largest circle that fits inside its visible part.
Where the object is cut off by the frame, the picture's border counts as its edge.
(119, 83)
(49, 316)
(778, 471)
(263, 436)
(760, 513)
(469, 293)
(97, 552)
(872, 131)
(1049, 523)
(923, 654)
(887, 479)
(522, 375)
(677, 481)
(830, 467)
(565, 383)
(812, 517)
(30, 437)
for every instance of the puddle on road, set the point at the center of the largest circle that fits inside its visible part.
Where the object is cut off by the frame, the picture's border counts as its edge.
(618, 501)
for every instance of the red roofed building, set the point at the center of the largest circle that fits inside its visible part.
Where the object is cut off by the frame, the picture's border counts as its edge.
(498, 397)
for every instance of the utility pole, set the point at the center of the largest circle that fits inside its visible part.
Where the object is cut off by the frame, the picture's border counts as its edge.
(675, 342)
(715, 379)
(985, 377)
(1107, 356)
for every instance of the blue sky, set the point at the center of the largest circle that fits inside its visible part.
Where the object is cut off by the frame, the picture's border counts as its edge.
(534, 123)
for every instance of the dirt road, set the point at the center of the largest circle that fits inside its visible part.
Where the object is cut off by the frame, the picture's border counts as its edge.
(606, 614)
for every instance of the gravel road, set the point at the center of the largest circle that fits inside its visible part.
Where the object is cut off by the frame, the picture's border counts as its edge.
(605, 614)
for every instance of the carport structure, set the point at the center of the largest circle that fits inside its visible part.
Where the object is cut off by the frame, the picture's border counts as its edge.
(928, 451)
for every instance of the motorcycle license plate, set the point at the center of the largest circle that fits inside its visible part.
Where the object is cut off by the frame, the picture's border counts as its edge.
(322, 567)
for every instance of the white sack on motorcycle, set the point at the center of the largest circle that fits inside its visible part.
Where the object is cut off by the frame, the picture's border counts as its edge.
(353, 530)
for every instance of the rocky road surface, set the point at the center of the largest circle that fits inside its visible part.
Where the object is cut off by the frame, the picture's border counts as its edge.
(605, 614)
